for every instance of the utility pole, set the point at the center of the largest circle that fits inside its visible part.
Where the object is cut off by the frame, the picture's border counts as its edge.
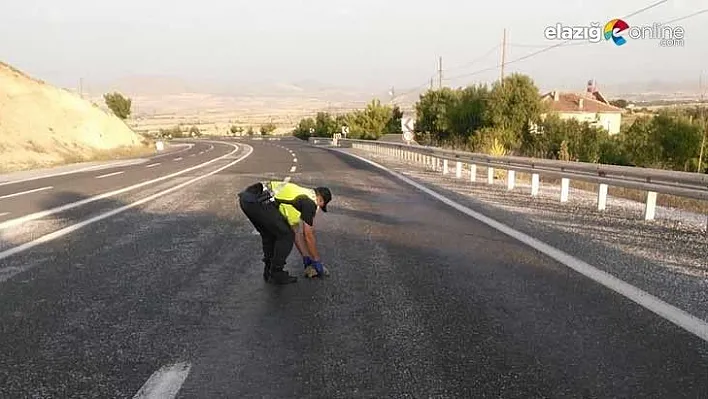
(81, 87)
(503, 57)
(703, 124)
(440, 74)
(431, 83)
(393, 94)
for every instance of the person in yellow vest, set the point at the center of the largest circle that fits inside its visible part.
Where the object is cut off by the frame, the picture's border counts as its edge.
(276, 208)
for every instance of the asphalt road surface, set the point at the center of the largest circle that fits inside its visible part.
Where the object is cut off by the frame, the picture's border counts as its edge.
(422, 300)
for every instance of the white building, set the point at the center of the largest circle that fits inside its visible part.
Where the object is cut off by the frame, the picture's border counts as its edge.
(590, 106)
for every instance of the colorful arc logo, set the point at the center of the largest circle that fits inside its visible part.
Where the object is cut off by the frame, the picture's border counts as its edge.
(618, 25)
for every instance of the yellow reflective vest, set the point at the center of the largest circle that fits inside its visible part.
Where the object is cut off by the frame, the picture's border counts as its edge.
(287, 192)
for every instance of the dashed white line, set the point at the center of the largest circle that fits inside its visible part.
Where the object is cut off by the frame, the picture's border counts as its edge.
(7, 272)
(193, 155)
(26, 192)
(38, 215)
(201, 152)
(152, 165)
(294, 159)
(178, 159)
(110, 174)
(293, 169)
(165, 382)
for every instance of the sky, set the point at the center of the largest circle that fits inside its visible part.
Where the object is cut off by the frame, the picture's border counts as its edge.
(364, 43)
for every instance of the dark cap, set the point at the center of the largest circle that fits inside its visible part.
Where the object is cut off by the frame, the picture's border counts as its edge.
(326, 196)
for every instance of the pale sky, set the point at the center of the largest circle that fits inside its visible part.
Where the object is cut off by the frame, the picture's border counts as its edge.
(366, 43)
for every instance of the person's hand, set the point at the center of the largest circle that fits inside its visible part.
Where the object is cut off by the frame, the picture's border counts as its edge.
(319, 267)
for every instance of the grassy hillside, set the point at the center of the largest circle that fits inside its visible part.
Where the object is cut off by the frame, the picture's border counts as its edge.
(42, 126)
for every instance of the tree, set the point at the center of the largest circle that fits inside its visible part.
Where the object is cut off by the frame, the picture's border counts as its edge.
(118, 104)
(394, 123)
(194, 132)
(267, 128)
(302, 130)
(370, 123)
(512, 106)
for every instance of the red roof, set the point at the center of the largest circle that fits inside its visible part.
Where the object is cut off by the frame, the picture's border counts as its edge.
(570, 102)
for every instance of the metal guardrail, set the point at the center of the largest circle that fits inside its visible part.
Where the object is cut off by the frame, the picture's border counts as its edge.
(653, 181)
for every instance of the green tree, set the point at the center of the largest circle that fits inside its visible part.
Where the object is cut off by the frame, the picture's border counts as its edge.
(371, 122)
(267, 128)
(118, 104)
(679, 139)
(394, 123)
(432, 125)
(512, 106)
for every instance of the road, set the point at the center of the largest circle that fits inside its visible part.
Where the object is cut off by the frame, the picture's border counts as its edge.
(422, 300)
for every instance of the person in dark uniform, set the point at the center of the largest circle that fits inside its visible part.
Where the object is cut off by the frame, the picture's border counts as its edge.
(275, 209)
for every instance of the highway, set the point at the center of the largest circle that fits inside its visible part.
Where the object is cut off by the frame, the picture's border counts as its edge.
(158, 289)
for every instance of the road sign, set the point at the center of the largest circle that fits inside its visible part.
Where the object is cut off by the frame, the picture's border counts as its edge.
(345, 131)
(407, 126)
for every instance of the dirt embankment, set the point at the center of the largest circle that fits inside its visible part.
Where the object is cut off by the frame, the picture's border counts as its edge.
(44, 126)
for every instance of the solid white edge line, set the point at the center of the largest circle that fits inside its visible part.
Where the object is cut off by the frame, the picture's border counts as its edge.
(39, 215)
(4, 275)
(110, 174)
(671, 313)
(165, 382)
(26, 192)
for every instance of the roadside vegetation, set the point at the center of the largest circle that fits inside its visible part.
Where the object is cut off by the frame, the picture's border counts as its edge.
(508, 119)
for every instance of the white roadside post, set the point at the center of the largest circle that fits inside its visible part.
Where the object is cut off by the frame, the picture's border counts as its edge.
(602, 197)
(565, 188)
(160, 145)
(511, 179)
(535, 184)
(650, 207)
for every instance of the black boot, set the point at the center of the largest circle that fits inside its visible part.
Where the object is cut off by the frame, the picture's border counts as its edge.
(266, 271)
(281, 277)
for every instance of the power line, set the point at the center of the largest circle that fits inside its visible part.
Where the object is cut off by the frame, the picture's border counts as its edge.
(582, 43)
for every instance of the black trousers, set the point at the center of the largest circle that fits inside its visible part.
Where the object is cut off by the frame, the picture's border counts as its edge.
(277, 236)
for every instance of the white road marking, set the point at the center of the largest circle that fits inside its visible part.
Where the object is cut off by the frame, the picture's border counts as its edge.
(4, 214)
(8, 272)
(26, 192)
(201, 152)
(110, 174)
(294, 159)
(38, 215)
(152, 165)
(165, 382)
(178, 159)
(193, 155)
(671, 313)
(293, 169)
(86, 169)
(287, 179)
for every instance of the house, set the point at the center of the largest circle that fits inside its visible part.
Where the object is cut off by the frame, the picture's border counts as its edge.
(590, 106)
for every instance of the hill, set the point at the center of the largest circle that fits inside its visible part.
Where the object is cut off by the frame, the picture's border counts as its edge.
(43, 126)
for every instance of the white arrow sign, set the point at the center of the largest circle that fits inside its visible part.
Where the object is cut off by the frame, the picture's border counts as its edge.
(407, 126)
